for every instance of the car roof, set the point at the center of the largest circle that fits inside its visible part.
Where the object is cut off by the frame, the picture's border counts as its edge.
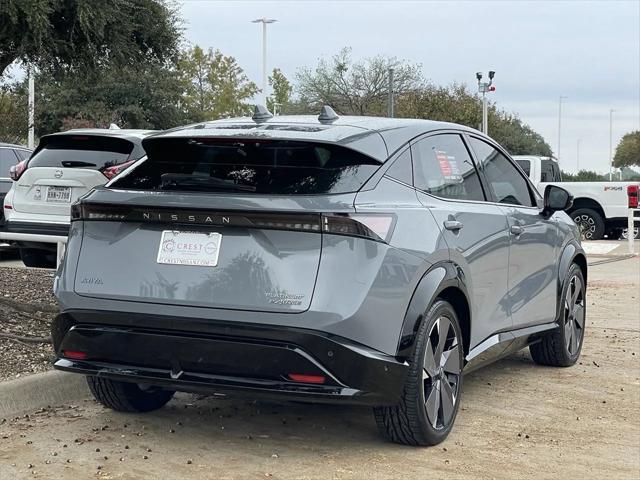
(128, 134)
(13, 145)
(377, 137)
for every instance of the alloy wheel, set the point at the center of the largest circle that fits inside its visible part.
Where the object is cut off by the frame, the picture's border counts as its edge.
(441, 373)
(574, 315)
(587, 226)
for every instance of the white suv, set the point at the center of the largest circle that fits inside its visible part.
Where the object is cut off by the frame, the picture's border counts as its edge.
(64, 167)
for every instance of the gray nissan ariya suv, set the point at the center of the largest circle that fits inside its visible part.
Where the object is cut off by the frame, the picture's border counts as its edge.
(324, 259)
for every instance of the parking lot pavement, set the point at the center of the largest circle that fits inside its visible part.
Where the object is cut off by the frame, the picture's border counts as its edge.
(518, 420)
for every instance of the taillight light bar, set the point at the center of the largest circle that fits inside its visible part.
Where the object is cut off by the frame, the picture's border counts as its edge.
(16, 171)
(111, 172)
(378, 227)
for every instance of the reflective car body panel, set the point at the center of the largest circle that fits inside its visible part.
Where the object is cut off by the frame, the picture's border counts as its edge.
(302, 281)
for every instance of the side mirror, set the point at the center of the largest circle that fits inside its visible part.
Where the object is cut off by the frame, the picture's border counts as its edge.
(555, 199)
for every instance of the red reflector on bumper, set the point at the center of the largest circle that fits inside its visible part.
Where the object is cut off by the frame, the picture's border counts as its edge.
(74, 355)
(299, 377)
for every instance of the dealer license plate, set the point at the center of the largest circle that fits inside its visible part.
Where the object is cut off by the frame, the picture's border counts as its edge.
(189, 248)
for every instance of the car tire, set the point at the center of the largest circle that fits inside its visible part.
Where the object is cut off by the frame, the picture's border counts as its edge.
(127, 397)
(590, 222)
(435, 373)
(33, 257)
(562, 347)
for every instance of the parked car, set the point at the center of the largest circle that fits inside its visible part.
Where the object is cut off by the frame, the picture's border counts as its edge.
(10, 154)
(341, 260)
(63, 167)
(599, 208)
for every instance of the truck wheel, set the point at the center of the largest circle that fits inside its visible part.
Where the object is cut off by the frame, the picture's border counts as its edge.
(624, 233)
(590, 223)
(33, 257)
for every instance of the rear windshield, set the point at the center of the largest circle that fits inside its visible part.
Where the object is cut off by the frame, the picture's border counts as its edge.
(82, 151)
(251, 166)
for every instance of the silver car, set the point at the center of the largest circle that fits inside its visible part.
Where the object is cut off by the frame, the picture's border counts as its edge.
(323, 259)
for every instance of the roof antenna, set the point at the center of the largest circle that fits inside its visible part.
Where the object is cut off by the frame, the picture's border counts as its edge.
(113, 126)
(261, 114)
(327, 115)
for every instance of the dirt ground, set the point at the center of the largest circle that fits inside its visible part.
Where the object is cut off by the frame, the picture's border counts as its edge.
(518, 420)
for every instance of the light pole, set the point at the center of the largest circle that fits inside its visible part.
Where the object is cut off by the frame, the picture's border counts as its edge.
(484, 88)
(31, 109)
(578, 156)
(611, 143)
(264, 21)
(560, 98)
(390, 99)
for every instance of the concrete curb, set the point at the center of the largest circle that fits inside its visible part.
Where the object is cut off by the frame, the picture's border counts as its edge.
(41, 390)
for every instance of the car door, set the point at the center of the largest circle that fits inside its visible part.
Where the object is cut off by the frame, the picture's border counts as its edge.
(7, 159)
(448, 184)
(533, 238)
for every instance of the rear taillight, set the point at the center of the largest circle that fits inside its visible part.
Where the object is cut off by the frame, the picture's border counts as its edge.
(16, 171)
(111, 172)
(632, 195)
(377, 227)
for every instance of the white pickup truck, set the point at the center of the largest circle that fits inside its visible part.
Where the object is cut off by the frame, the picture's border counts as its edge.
(599, 208)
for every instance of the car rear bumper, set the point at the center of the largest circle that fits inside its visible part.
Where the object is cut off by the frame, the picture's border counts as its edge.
(34, 232)
(248, 359)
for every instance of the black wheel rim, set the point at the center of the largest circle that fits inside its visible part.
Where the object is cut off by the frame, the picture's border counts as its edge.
(574, 315)
(587, 226)
(441, 373)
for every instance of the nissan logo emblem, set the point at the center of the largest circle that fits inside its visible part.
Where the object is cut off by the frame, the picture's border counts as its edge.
(58, 174)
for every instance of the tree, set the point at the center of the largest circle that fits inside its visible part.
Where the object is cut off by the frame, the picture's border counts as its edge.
(361, 88)
(282, 91)
(584, 176)
(147, 95)
(215, 85)
(13, 115)
(55, 34)
(355, 88)
(628, 151)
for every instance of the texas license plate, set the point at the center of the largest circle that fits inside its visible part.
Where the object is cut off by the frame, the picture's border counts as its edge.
(189, 248)
(59, 194)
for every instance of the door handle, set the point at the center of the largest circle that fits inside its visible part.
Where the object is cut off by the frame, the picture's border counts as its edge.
(453, 225)
(516, 230)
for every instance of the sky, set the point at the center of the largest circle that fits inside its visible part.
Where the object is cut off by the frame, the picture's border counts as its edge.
(588, 51)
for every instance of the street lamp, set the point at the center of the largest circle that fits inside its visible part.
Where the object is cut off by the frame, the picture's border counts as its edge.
(611, 143)
(264, 22)
(484, 88)
(560, 98)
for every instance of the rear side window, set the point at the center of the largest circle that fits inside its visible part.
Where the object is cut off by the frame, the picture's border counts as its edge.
(525, 165)
(443, 167)
(251, 166)
(7, 159)
(549, 171)
(82, 151)
(402, 169)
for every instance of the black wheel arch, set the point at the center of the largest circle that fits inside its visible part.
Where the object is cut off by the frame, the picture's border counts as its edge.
(442, 280)
(584, 202)
(572, 253)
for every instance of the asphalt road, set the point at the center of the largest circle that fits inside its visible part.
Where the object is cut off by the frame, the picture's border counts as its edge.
(518, 420)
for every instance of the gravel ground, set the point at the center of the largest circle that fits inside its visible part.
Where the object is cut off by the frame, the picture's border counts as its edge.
(27, 306)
